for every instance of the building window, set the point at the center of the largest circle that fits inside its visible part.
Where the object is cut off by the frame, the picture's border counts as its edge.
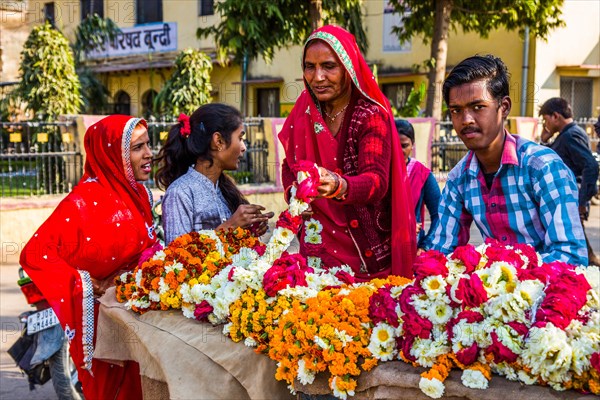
(578, 92)
(49, 15)
(391, 19)
(91, 7)
(122, 103)
(206, 7)
(148, 103)
(397, 93)
(149, 11)
(268, 102)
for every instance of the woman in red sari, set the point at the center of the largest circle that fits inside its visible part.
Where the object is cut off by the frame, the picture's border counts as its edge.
(343, 123)
(98, 231)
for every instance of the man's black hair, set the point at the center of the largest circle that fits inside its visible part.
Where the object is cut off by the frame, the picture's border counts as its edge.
(556, 105)
(488, 68)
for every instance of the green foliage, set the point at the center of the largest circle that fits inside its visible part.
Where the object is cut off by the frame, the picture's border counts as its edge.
(49, 84)
(188, 87)
(259, 28)
(93, 32)
(412, 107)
(541, 16)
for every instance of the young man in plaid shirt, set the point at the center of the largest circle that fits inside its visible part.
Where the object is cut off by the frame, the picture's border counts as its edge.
(515, 190)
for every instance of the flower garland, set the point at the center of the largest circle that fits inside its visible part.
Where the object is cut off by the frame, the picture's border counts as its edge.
(492, 308)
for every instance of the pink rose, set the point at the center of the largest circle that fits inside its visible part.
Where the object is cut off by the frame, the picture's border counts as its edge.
(468, 355)
(468, 256)
(230, 274)
(529, 253)
(519, 327)
(260, 249)
(149, 252)
(307, 189)
(289, 270)
(430, 263)
(203, 310)
(471, 291)
(501, 253)
(415, 325)
(406, 298)
(500, 351)
(405, 344)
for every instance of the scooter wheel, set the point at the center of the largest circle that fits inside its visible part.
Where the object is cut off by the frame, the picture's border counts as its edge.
(64, 375)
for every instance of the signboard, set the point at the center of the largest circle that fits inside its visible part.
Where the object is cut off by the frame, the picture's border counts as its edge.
(141, 39)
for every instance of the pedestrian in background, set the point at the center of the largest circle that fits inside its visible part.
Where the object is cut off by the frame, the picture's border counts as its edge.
(572, 145)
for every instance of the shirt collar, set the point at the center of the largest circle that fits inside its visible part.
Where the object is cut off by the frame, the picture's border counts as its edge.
(509, 155)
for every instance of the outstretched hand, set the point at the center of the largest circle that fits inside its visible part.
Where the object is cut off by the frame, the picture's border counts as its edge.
(250, 216)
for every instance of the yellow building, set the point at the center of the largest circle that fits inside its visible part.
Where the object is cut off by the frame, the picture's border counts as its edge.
(135, 67)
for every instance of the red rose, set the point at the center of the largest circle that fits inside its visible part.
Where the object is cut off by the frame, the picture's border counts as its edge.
(500, 351)
(203, 310)
(430, 263)
(345, 277)
(529, 253)
(307, 189)
(406, 298)
(595, 361)
(468, 315)
(468, 355)
(519, 327)
(468, 255)
(471, 291)
(286, 221)
(382, 307)
(415, 325)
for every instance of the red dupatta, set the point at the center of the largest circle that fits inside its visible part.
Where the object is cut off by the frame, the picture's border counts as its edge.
(99, 229)
(301, 143)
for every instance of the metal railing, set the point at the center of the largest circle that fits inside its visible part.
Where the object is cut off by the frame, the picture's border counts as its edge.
(38, 158)
(253, 166)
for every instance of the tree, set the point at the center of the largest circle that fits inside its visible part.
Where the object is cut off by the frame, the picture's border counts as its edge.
(250, 29)
(433, 20)
(93, 32)
(49, 84)
(188, 87)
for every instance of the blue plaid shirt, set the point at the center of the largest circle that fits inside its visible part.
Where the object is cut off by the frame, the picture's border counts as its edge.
(533, 200)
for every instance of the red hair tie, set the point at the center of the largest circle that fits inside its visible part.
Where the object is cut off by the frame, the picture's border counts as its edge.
(185, 129)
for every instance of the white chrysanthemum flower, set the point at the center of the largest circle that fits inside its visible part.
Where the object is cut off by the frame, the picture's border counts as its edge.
(213, 319)
(526, 378)
(313, 239)
(186, 293)
(504, 369)
(426, 351)
(507, 307)
(314, 262)
(301, 293)
(250, 342)
(464, 334)
(530, 290)
(297, 207)
(175, 267)
(227, 329)
(163, 287)
(154, 296)
(583, 348)
(432, 388)
(383, 334)
(188, 310)
(337, 392)
(313, 226)
(441, 313)
(383, 353)
(474, 379)
(138, 277)
(124, 276)
(305, 375)
(201, 292)
(159, 255)
(499, 278)
(548, 353)
(320, 342)
(434, 286)
(244, 257)
(455, 268)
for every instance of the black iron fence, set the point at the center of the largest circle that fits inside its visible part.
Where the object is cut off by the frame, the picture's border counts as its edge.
(38, 158)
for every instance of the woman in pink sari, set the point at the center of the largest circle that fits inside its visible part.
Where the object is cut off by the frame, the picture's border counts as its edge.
(425, 190)
(343, 123)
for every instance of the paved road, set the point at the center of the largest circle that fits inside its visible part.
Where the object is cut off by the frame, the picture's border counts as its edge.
(13, 386)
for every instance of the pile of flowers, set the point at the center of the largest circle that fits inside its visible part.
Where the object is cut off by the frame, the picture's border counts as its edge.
(492, 308)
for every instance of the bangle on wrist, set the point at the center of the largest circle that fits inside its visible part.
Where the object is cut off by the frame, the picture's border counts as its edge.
(338, 186)
(342, 196)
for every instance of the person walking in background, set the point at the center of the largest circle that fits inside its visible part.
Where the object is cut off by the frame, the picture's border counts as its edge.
(425, 190)
(97, 232)
(572, 145)
(515, 190)
(199, 149)
(343, 123)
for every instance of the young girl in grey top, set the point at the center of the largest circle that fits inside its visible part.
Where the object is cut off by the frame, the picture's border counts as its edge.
(198, 194)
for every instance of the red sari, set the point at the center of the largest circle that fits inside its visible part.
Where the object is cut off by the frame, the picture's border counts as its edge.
(349, 226)
(99, 229)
